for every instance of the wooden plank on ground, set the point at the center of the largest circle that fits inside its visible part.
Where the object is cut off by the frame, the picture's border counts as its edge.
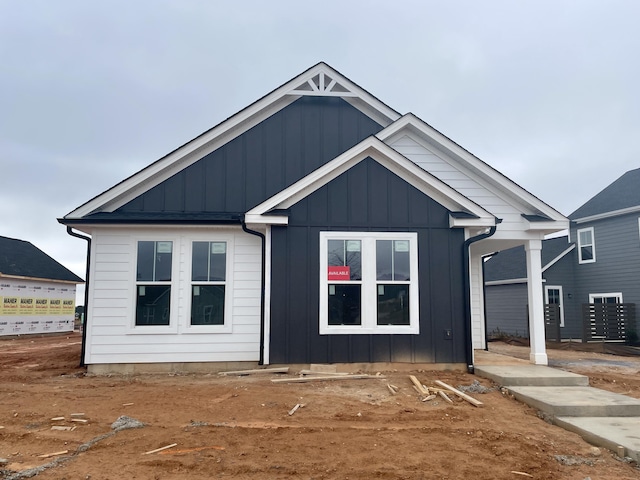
(160, 449)
(256, 371)
(418, 385)
(54, 454)
(314, 372)
(464, 396)
(323, 378)
(445, 396)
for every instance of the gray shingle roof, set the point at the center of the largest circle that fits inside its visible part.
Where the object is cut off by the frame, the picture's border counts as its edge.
(22, 259)
(512, 263)
(623, 193)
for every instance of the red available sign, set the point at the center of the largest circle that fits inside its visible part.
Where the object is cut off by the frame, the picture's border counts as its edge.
(339, 273)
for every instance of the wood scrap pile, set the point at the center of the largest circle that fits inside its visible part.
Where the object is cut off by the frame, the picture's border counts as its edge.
(442, 390)
(324, 373)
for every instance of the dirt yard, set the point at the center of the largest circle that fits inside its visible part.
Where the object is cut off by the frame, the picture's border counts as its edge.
(239, 427)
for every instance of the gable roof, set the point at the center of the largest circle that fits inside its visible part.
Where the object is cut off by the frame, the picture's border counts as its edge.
(372, 147)
(22, 259)
(511, 264)
(319, 80)
(622, 196)
(539, 214)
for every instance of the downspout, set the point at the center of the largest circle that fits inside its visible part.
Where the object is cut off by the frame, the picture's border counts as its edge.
(467, 297)
(263, 282)
(86, 294)
(484, 298)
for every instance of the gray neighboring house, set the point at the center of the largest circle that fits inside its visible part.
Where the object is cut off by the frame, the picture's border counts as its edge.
(505, 276)
(598, 269)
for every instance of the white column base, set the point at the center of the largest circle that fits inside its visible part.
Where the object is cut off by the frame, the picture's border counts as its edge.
(538, 358)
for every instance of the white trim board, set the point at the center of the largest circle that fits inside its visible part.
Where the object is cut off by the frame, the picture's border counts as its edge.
(388, 158)
(471, 165)
(229, 129)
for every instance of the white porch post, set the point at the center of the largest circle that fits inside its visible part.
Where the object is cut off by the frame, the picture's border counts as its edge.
(538, 354)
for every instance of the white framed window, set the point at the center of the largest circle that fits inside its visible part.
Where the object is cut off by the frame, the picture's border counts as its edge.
(153, 296)
(553, 296)
(369, 283)
(586, 246)
(210, 293)
(605, 297)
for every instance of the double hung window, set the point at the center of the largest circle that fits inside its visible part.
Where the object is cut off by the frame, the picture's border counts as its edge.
(368, 283)
(586, 246)
(208, 282)
(153, 283)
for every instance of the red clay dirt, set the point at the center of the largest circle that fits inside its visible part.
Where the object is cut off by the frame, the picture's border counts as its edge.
(239, 427)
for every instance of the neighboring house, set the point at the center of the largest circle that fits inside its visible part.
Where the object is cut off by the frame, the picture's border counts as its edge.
(317, 225)
(598, 271)
(505, 279)
(37, 294)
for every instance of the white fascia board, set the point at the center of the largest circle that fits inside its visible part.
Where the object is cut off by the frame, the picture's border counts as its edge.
(510, 281)
(558, 258)
(262, 220)
(547, 227)
(387, 157)
(613, 213)
(39, 279)
(226, 131)
(487, 221)
(492, 176)
(184, 156)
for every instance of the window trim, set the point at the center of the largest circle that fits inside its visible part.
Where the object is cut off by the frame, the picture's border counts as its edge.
(618, 295)
(227, 326)
(172, 328)
(369, 284)
(546, 299)
(592, 244)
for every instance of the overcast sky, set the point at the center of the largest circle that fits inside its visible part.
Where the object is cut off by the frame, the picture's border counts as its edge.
(547, 92)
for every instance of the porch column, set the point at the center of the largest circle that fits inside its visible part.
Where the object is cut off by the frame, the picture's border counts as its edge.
(538, 354)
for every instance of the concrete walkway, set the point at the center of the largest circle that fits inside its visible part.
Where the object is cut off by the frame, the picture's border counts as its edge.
(602, 418)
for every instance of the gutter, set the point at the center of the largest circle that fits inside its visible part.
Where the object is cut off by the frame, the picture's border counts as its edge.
(86, 294)
(467, 298)
(262, 287)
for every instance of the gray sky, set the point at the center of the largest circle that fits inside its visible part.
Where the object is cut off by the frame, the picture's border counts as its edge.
(91, 92)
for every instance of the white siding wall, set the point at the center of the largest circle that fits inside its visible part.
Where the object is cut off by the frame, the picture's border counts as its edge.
(476, 189)
(454, 175)
(112, 336)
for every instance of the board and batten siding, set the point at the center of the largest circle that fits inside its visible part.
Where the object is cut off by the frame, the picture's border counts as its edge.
(111, 336)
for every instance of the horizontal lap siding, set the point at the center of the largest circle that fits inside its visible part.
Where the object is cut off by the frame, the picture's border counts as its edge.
(473, 188)
(507, 309)
(366, 198)
(112, 302)
(617, 251)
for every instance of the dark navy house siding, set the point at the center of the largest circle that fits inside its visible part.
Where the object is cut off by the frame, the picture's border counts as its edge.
(368, 197)
(262, 161)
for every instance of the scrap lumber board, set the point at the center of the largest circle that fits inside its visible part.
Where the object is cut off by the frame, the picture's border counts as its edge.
(160, 449)
(418, 385)
(445, 396)
(315, 372)
(464, 396)
(257, 371)
(323, 378)
(55, 454)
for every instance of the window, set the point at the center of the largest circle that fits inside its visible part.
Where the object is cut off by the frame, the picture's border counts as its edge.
(586, 246)
(599, 298)
(153, 283)
(369, 283)
(208, 277)
(553, 296)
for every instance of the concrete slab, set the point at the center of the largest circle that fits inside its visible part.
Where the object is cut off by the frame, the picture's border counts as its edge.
(607, 432)
(577, 401)
(530, 375)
